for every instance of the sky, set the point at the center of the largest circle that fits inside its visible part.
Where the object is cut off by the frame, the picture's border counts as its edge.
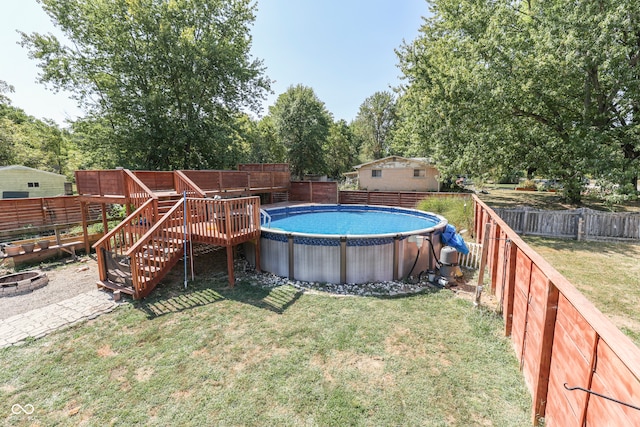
(342, 49)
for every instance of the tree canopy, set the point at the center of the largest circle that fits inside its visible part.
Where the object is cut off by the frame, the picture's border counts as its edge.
(31, 142)
(374, 124)
(548, 86)
(301, 122)
(164, 81)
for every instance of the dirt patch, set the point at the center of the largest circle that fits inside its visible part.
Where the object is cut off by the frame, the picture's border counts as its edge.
(67, 279)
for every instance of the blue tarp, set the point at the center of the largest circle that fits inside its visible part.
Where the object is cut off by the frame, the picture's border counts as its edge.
(451, 238)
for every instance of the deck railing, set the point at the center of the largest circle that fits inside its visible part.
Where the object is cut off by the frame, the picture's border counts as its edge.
(156, 180)
(126, 234)
(137, 192)
(183, 184)
(561, 340)
(224, 221)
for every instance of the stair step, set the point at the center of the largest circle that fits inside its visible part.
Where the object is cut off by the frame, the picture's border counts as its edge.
(155, 258)
(149, 268)
(112, 286)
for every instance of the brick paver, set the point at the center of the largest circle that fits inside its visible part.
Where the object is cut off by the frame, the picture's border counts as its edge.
(42, 321)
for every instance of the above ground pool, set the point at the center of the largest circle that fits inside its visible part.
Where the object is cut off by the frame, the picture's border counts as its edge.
(348, 243)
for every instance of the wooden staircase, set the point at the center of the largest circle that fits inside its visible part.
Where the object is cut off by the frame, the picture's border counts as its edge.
(171, 209)
(136, 255)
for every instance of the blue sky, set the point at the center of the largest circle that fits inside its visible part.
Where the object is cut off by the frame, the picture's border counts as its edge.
(344, 50)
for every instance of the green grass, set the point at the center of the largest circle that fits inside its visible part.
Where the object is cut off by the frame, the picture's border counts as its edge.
(251, 356)
(608, 274)
(501, 197)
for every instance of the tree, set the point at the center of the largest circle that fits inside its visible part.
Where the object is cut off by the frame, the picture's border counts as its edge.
(265, 147)
(505, 85)
(374, 124)
(168, 77)
(340, 151)
(28, 141)
(302, 123)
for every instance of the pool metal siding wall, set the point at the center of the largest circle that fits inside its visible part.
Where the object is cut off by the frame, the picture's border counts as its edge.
(342, 259)
(316, 263)
(274, 257)
(361, 269)
(362, 263)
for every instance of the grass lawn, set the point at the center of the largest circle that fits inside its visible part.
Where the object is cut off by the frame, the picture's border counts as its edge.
(252, 356)
(606, 273)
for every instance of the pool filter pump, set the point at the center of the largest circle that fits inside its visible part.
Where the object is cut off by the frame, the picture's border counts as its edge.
(449, 267)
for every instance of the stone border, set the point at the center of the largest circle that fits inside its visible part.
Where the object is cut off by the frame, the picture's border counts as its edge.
(24, 286)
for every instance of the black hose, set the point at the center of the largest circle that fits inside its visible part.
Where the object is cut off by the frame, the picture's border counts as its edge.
(414, 264)
(433, 251)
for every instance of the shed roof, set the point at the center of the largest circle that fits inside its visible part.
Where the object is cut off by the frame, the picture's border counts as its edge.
(26, 168)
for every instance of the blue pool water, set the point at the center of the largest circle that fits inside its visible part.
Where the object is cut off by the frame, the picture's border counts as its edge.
(356, 222)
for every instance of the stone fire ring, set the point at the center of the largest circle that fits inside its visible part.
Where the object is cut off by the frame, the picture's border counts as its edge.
(22, 283)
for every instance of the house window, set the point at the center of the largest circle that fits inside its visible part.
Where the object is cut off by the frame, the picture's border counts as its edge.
(33, 184)
(376, 173)
(419, 173)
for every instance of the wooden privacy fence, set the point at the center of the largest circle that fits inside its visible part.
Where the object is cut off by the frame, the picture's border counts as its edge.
(403, 199)
(561, 340)
(314, 191)
(579, 224)
(327, 192)
(42, 212)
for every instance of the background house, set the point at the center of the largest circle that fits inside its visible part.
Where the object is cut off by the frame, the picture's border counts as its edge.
(395, 173)
(21, 181)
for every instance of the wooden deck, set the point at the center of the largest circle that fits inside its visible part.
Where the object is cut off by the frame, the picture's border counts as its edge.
(141, 250)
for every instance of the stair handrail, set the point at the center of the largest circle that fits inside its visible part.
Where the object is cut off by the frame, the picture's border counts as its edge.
(183, 183)
(136, 190)
(143, 289)
(159, 224)
(126, 227)
(124, 223)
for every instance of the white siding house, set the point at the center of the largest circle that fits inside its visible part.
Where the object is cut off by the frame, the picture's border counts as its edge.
(395, 173)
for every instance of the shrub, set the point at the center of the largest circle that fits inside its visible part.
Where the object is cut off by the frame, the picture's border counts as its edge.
(457, 210)
(528, 184)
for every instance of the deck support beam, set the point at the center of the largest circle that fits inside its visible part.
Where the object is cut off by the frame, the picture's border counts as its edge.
(232, 279)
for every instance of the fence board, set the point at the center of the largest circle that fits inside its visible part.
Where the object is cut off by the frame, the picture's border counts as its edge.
(314, 191)
(472, 259)
(566, 224)
(24, 214)
(560, 337)
(156, 180)
(403, 199)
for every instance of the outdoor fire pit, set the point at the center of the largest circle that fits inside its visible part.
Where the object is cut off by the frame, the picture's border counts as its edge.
(23, 282)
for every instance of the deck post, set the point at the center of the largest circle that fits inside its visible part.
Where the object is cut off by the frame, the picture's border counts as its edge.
(85, 232)
(105, 223)
(257, 243)
(232, 279)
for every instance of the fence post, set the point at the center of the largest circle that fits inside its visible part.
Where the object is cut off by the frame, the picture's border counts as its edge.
(580, 235)
(541, 388)
(510, 285)
(483, 263)
(525, 220)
